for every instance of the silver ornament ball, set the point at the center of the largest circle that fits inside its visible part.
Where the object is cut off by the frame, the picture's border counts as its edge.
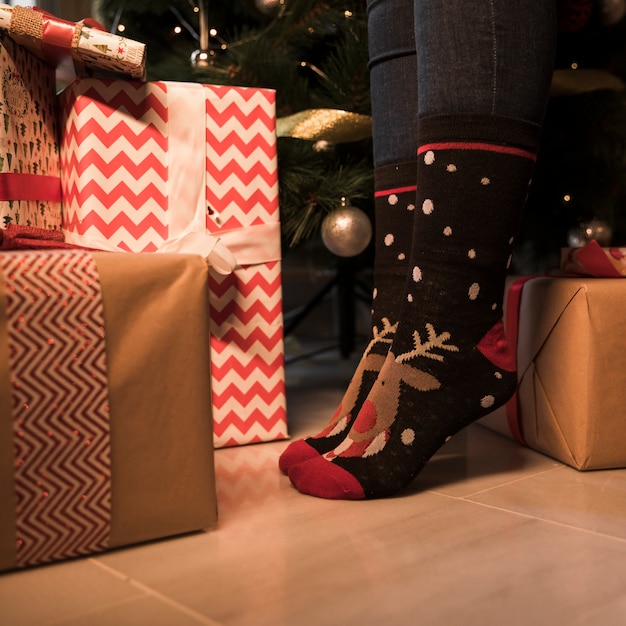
(594, 230)
(201, 58)
(347, 231)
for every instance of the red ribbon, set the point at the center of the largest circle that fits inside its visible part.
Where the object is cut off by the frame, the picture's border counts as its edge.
(56, 42)
(593, 261)
(21, 237)
(514, 300)
(30, 187)
(58, 34)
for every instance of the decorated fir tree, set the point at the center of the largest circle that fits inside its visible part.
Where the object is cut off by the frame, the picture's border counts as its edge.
(314, 53)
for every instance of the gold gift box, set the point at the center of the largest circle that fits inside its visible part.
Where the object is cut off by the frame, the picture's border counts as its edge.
(571, 360)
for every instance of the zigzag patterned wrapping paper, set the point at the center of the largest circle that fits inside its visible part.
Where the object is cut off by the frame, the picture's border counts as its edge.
(104, 435)
(58, 362)
(148, 166)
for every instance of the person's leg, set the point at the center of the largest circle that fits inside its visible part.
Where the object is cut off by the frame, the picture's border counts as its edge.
(484, 69)
(394, 119)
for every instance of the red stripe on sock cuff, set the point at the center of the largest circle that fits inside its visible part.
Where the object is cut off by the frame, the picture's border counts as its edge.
(474, 145)
(388, 192)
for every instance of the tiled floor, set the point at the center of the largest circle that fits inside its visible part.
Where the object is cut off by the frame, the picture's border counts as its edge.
(489, 534)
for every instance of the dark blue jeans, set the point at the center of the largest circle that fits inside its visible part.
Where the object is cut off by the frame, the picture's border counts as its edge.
(432, 57)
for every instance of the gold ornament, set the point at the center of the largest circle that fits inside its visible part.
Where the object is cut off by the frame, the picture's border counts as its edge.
(268, 6)
(573, 82)
(347, 231)
(612, 11)
(331, 125)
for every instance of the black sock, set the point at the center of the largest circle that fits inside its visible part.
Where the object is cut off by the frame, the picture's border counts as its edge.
(449, 363)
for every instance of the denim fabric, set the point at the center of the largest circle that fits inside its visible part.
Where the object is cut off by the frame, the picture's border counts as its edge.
(461, 56)
(393, 80)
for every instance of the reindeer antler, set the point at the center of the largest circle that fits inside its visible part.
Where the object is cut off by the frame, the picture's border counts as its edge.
(383, 336)
(424, 349)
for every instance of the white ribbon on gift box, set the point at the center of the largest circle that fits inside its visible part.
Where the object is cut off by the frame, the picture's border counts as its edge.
(187, 208)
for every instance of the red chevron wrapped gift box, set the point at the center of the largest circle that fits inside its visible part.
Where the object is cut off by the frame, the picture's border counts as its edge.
(183, 166)
(30, 187)
(105, 430)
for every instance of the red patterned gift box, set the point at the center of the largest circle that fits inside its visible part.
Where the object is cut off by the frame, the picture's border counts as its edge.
(105, 429)
(183, 166)
(30, 188)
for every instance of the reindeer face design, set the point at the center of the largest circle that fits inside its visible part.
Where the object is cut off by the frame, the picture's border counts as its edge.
(371, 362)
(370, 432)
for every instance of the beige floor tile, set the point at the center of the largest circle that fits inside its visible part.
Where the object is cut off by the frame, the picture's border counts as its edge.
(148, 611)
(44, 595)
(477, 459)
(595, 501)
(425, 558)
(489, 534)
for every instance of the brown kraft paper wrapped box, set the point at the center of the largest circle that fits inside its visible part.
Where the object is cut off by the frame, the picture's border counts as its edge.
(105, 427)
(571, 360)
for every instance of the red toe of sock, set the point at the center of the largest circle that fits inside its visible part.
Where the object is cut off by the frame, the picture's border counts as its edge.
(296, 452)
(323, 479)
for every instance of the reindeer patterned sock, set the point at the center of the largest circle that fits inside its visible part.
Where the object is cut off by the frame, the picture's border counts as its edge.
(449, 363)
(394, 205)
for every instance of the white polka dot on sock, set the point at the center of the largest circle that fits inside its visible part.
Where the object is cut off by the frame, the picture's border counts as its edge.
(389, 239)
(447, 231)
(474, 291)
(407, 436)
(508, 263)
(428, 207)
(487, 402)
(429, 157)
(451, 168)
(417, 274)
(374, 293)
(471, 254)
(392, 199)
(401, 256)
(485, 181)
(409, 298)
(494, 306)
(498, 375)
(410, 207)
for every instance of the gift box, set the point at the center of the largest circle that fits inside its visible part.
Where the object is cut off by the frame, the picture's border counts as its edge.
(104, 408)
(183, 166)
(89, 48)
(30, 187)
(571, 361)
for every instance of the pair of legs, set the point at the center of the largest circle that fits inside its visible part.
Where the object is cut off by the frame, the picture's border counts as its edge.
(452, 170)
